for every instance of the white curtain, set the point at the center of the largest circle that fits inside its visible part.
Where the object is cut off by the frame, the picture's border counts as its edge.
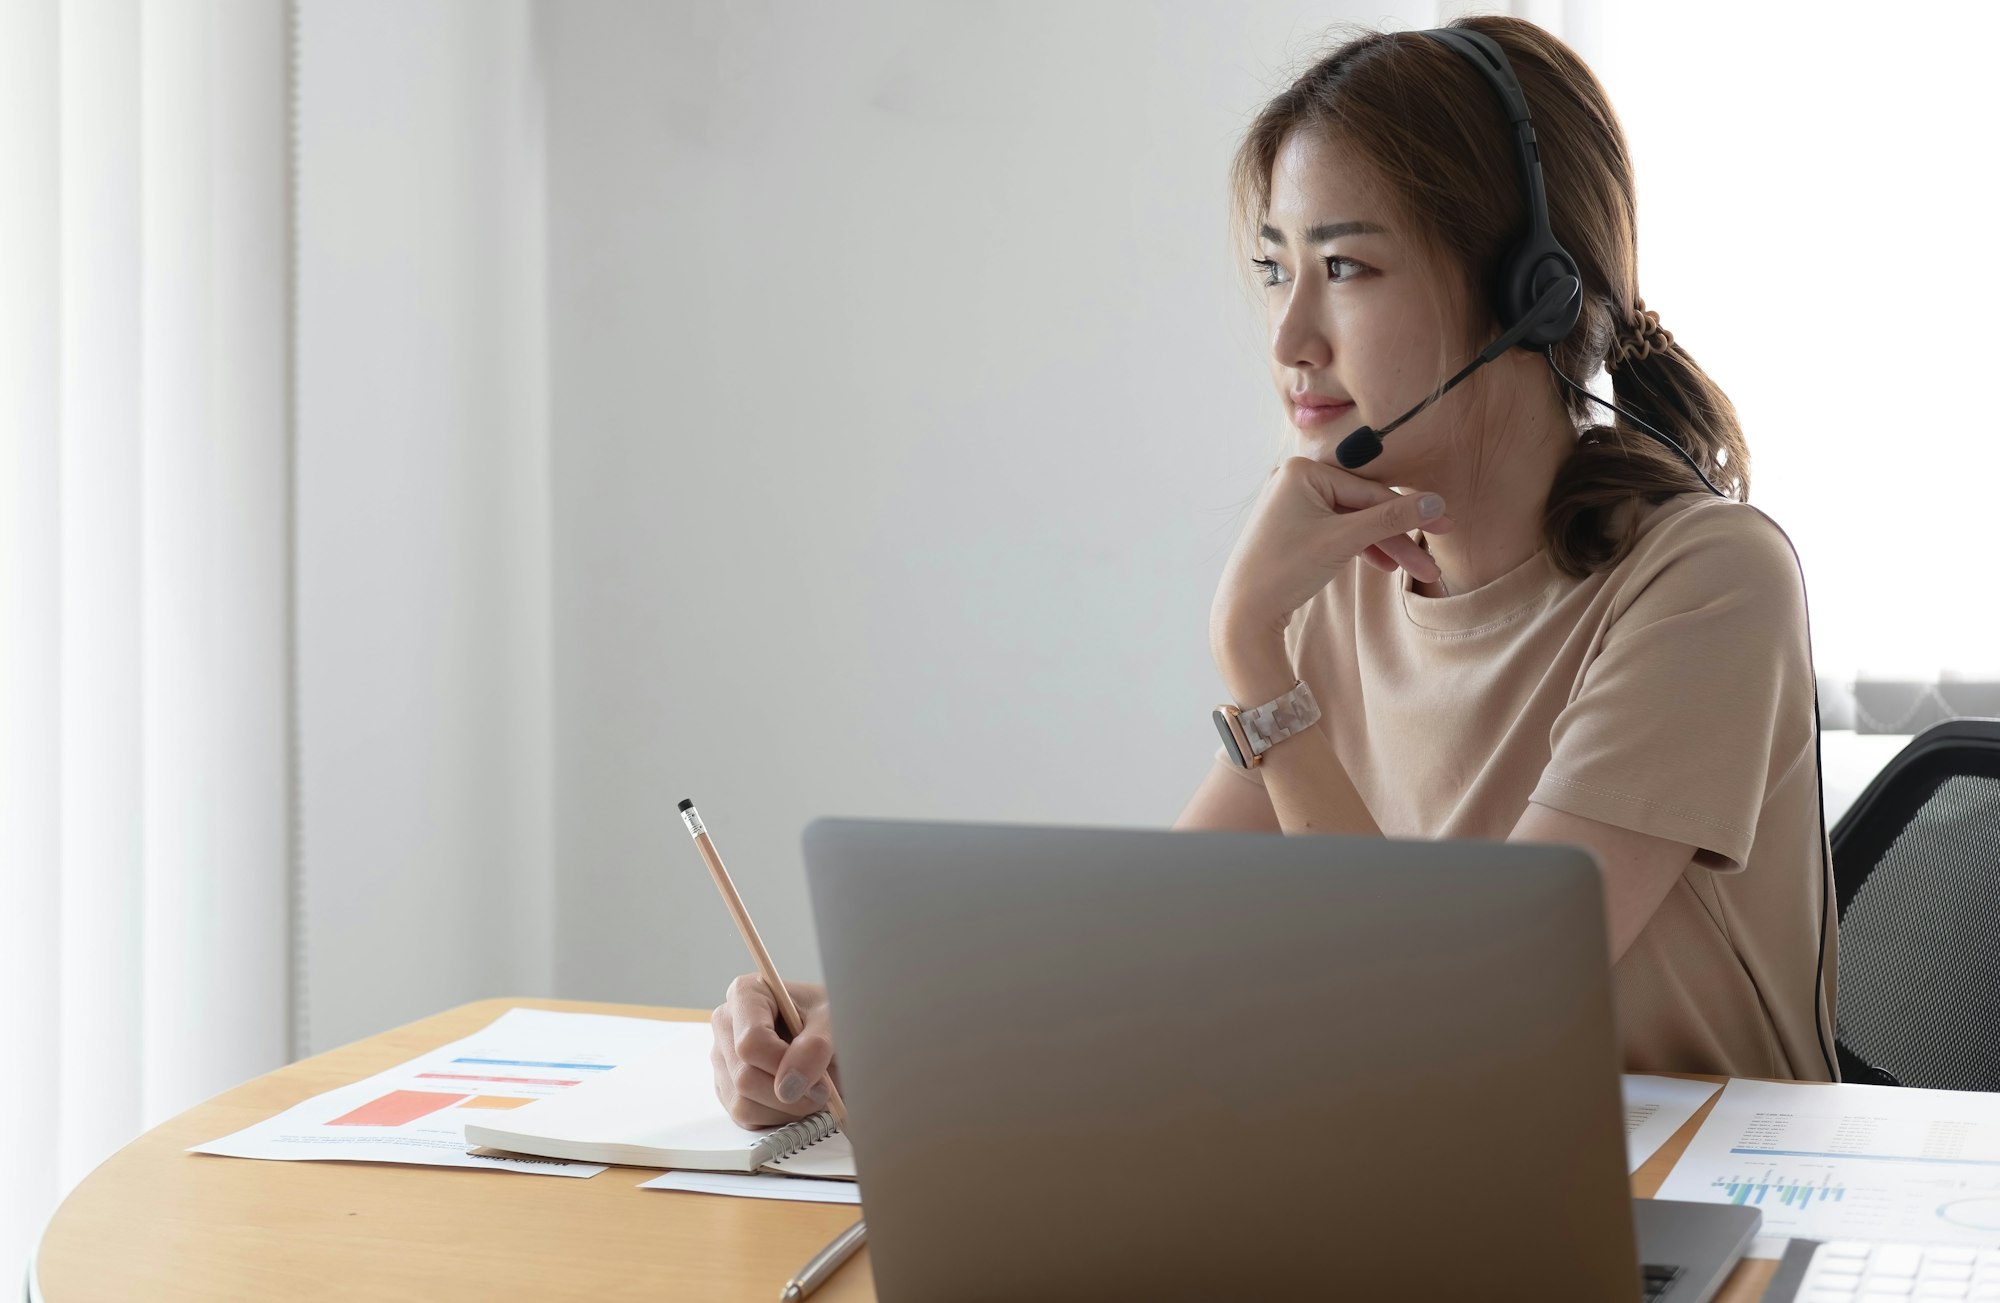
(145, 775)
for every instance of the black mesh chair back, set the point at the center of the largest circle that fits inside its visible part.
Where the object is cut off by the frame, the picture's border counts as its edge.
(1916, 866)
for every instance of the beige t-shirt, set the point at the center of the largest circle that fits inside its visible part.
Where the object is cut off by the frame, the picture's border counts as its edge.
(1671, 694)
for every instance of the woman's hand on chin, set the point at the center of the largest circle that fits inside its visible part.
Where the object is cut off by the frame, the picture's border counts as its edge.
(1311, 520)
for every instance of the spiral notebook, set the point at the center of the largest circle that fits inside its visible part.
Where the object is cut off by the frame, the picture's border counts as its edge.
(662, 1112)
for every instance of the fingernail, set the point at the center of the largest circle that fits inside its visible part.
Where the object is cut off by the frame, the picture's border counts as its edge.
(791, 1087)
(819, 1092)
(1430, 506)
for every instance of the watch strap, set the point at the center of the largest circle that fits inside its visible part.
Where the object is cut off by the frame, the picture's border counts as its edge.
(1277, 719)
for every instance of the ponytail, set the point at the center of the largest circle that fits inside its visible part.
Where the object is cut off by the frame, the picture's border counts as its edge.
(1658, 381)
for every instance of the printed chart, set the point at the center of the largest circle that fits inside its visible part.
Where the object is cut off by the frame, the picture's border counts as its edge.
(1786, 1189)
(1833, 1162)
(416, 1112)
(470, 1078)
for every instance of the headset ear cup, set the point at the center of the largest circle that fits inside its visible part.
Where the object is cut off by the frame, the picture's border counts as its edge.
(1534, 276)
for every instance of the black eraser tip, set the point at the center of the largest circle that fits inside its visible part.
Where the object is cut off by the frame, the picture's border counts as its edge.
(686, 805)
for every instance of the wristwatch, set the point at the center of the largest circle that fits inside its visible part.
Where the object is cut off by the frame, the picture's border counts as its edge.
(1248, 734)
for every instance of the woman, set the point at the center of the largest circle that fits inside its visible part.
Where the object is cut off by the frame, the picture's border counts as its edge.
(1555, 633)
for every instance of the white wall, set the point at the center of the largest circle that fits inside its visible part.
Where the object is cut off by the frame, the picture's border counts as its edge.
(906, 402)
(804, 409)
(423, 510)
(1842, 344)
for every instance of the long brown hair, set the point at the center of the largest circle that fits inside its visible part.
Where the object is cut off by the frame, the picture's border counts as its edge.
(1432, 128)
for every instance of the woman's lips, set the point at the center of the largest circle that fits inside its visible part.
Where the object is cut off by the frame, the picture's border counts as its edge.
(1307, 418)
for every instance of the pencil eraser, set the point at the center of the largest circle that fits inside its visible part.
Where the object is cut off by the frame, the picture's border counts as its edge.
(685, 806)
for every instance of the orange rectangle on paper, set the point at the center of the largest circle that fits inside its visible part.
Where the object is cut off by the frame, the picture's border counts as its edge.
(494, 1101)
(396, 1108)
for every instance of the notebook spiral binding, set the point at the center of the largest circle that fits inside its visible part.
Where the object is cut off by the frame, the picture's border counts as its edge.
(795, 1136)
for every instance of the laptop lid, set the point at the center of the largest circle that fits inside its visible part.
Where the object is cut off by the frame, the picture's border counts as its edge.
(1095, 1063)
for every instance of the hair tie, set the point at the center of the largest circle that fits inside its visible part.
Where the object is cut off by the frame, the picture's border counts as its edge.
(1642, 336)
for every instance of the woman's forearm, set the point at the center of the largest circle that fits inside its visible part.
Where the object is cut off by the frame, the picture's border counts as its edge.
(1309, 787)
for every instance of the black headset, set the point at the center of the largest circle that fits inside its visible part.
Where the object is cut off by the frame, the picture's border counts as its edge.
(1536, 264)
(1536, 284)
(1537, 287)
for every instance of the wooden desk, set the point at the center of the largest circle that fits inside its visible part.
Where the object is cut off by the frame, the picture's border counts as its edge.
(156, 1223)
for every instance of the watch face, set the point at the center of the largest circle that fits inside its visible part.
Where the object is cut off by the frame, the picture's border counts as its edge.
(1229, 740)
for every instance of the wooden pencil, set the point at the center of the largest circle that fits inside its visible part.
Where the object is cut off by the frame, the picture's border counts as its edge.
(788, 1009)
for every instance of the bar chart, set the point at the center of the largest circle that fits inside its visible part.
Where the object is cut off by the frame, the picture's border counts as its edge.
(1790, 1192)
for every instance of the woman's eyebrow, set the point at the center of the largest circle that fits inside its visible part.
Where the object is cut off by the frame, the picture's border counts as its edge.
(1325, 231)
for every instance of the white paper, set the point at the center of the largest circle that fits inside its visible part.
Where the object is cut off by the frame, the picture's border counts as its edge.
(1655, 1108)
(416, 1112)
(646, 1112)
(1850, 1162)
(758, 1186)
(829, 1156)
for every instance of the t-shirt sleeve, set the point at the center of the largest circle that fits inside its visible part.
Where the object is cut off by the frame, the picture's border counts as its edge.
(1699, 699)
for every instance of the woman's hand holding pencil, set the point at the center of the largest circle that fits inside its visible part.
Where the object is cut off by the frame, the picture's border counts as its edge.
(757, 1074)
(760, 1078)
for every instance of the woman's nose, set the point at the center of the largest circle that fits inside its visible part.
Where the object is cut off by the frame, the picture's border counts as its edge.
(1299, 338)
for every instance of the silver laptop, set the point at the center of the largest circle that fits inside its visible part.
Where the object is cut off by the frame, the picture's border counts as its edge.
(1107, 1064)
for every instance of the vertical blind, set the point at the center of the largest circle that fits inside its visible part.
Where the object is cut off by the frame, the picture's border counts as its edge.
(145, 535)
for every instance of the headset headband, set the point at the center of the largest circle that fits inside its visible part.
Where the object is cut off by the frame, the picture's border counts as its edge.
(1485, 54)
(1536, 262)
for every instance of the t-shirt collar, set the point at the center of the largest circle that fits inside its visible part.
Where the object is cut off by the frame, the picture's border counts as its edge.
(1489, 603)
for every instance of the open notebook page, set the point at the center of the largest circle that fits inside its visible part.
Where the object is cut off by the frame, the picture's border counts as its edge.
(659, 1111)
(829, 1156)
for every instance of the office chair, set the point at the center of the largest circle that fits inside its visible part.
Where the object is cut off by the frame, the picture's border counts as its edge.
(1916, 867)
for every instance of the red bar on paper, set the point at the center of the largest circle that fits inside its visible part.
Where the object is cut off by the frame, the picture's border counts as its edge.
(396, 1108)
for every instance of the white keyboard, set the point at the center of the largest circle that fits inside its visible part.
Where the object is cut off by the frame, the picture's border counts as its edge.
(1844, 1271)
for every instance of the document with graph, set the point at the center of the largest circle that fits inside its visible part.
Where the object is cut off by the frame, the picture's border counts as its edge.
(1847, 1162)
(416, 1112)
